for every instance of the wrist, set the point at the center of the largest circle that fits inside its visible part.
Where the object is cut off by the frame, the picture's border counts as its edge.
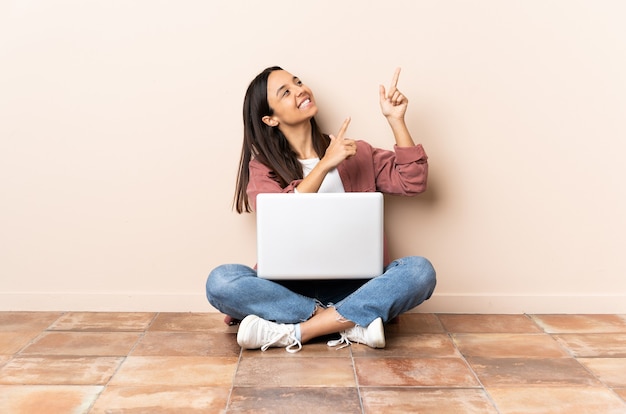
(324, 165)
(396, 122)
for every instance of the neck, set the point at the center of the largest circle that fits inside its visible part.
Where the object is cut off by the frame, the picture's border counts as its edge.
(300, 139)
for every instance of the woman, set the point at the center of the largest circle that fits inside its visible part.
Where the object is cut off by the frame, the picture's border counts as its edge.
(284, 151)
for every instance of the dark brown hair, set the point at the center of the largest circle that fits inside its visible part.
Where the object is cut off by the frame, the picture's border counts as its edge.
(268, 144)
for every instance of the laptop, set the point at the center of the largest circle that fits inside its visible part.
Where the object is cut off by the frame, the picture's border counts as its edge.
(319, 235)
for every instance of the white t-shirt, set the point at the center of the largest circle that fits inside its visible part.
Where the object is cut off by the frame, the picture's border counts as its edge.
(332, 182)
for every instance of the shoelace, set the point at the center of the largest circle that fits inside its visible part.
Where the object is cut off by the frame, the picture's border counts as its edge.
(342, 340)
(282, 334)
(295, 343)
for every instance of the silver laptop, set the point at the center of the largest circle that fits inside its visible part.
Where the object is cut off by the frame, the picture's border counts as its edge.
(319, 235)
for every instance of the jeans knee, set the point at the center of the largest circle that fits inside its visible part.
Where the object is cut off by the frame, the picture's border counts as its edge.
(218, 281)
(425, 274)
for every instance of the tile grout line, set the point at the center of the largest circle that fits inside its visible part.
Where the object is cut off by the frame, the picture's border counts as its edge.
(573, 356)
(36, 338)
(583, 366)
(356, 381)
(42, 332)
(124, 358)
(454, 333)
(232, 387)
(469, 366)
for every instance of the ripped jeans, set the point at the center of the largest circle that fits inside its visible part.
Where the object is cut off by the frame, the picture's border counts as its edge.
(235, 290)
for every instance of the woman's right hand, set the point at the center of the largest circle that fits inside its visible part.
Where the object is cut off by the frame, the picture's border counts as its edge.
(340, 148)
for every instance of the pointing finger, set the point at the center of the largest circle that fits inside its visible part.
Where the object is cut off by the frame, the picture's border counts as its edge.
(343, 128)
(394, 81)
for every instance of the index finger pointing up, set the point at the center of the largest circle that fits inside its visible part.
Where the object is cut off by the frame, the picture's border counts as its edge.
(343, 128)
(394, 80)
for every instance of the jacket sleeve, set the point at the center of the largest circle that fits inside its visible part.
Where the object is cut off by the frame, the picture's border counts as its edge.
(403, 171)
(263, 181)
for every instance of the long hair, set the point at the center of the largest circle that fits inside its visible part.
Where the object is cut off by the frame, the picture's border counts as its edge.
(268, 144)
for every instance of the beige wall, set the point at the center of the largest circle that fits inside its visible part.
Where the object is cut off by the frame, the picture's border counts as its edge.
(120, 132)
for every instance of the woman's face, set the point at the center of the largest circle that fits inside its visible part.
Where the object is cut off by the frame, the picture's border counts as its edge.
(291, 101)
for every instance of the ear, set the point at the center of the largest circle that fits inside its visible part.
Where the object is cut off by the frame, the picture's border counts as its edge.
(268, 120)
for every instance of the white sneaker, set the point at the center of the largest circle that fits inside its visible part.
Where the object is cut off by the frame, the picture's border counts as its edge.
(255, 333)
(372, 336)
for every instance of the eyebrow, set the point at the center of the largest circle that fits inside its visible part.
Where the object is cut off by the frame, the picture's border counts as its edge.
(284, 86)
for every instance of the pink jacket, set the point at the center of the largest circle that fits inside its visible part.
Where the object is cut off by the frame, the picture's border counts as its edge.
(400, 172)
(403, 171)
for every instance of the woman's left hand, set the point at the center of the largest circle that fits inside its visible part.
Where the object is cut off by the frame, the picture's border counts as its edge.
(392, 102)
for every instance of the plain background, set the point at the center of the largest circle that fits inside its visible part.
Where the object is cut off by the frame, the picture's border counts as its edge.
(120, 134)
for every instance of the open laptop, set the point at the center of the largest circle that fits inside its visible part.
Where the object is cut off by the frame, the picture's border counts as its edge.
(319, 235)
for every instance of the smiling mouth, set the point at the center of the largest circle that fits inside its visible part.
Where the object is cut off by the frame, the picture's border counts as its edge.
(304, 103)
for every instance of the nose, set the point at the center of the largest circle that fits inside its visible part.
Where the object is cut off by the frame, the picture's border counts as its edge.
(298, 90)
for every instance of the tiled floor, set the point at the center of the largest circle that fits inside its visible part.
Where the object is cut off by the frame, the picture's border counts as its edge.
(190, 363)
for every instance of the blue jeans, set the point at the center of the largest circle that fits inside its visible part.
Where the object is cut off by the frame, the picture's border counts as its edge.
(235, 290)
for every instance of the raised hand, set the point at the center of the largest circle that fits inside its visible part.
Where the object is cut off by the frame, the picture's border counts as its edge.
(340, 148)
(392, 102)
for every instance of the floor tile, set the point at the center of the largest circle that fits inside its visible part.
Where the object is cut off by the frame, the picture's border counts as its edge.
(59, 370)
(4, 359)
(423, 372)
(12, 342)
(420, 400)
(176, 371)
(470, 323)
(556, 400)
(507, 345)
(309, 350)
(414, 323)
(531, 371)
(162, 400)
(295, 372)
(191, 362)
(191, 322)
(187, 344)
(289, 400)
(27, 321)
(581, 323)
(594, 345)
(83, 344)
(103, 321)
(621, 392)
(47, 399)
(415, 346)
(611, 371)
